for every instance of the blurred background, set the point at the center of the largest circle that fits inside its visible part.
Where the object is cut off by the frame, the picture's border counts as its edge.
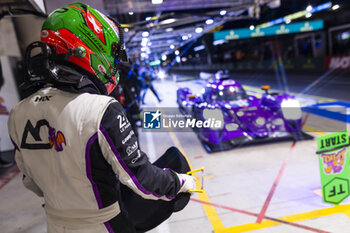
(300, 47)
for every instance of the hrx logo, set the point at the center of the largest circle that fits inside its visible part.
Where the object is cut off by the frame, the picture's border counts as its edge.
(152, 120)
(42, 98)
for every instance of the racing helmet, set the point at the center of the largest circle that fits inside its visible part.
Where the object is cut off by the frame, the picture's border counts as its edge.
(86, 40)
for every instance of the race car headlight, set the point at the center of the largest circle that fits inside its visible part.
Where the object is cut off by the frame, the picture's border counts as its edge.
(278, 121)
(240, 113)
(260, 121)
(231, 127)
(291, 109)
(214, 115)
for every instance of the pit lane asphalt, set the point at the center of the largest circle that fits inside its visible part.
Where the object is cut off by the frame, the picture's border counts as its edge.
(238, 179)
(242, 179)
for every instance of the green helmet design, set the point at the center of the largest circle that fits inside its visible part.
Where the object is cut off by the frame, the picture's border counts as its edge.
(88, 39)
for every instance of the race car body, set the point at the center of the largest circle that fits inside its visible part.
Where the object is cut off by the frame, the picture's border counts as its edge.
(245, 118)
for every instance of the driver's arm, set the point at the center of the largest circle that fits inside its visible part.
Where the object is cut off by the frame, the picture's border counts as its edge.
(120, 148)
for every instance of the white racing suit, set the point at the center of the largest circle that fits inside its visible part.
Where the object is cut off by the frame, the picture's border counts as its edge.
(74, 150)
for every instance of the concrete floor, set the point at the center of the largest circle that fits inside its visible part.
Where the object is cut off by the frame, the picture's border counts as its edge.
(237, 184)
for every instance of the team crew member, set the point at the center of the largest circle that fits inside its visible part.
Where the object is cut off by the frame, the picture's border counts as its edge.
(148, 76)
(73, 143)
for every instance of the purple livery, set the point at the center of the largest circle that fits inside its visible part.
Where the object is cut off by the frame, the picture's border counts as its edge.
(245, 119)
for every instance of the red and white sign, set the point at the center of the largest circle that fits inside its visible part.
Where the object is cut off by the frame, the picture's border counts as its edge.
(337, 63)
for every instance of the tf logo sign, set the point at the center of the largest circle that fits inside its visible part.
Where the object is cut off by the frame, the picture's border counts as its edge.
(152, 120)
(334, 166)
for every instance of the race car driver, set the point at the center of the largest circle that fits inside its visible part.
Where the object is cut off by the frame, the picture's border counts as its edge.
(73, 143)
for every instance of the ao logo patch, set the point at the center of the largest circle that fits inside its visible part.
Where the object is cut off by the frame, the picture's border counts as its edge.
(55, 140)
(152, 120)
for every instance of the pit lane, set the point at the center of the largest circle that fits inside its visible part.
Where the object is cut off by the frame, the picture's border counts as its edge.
(238, 183)
(277, 183)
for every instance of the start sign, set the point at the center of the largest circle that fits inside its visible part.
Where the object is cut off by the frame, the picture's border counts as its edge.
(333, 155)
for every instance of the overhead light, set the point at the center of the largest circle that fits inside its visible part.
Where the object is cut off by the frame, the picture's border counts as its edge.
(144, 42)
(217, 42)
(209, 21)
(178, 59)
(335, 7)
(308, 15)
(164, 57)
(157, 1)
(177, 52)
(149, 43)
(184, 37)
(297, 15)
(199, 30)
(169, 29)
(309, 8)
(252, 27)
(145, 34)
(148, 18)
(143, 49)
(198, 48)
(155, 63)
(172, 46)
(288, 21)
(126, 29)
(168, 21)
(131, 13)
(189, 35)
(223, 12)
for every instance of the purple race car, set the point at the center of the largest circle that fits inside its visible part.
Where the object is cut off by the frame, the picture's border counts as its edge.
(241, 119)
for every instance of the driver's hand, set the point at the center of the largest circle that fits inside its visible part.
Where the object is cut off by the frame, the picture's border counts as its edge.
(187, 182)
